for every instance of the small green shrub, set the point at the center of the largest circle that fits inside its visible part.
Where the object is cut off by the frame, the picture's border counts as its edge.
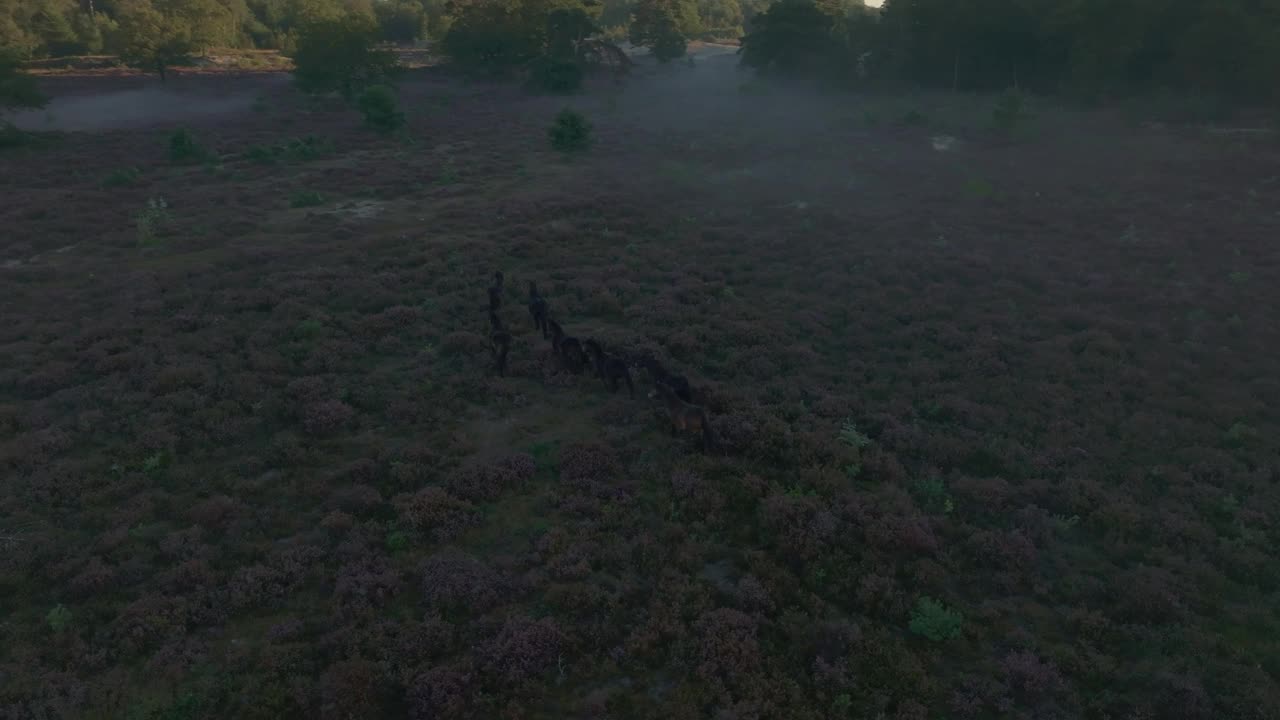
(59, 619)
(122, 177)
(1010, 113)
(397, 540)
(11, 137)
(571, 132)
(261, 154)
(1239, 435)
(151, 220)
(935, 621)
(310, 147)
(308, 329)
(932, 495)
(184, 149)
(912, 118)
(854, 438)
(979, 187)
(302, 149)
(378, 105)
(305, 199)
(153, 463)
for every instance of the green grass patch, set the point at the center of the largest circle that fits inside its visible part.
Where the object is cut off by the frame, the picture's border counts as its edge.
(123, 177)
(306, 199)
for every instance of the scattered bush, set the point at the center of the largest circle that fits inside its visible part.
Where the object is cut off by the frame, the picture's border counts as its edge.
(151, 220)
(122, 177)
(1010, 113)
(854, 438)
(378, 105)
(935, 621)
(302, 149)
(571, 132)
(184, 149)
(306, 199)
(59, 619)
(931, 493)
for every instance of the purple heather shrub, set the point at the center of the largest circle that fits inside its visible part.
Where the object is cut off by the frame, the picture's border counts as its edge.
(588, 461)
(522, 650)
(326, 416)
(454, 580)
(462, 342)
(1184, 696)
(256, 585)
(485, 481)
(364, 585)
(799, 525)
(727, 646)
(356, 499)
(337, 522)
(93, 579)
(1149, 596)
(176, 658)
(188, 576)
(148, 622)
(286, 630)
(351, 690)
(213, 513)
(439, 694)
(1028, 676)
(752, 594)
(434, 511)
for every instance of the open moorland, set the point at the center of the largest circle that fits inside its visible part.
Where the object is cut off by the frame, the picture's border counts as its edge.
(994, 416)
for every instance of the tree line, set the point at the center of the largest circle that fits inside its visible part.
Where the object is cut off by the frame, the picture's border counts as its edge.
(1088, 49)
(54, 28)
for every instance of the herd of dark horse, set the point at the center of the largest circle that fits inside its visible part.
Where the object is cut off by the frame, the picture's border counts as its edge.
(577, 355)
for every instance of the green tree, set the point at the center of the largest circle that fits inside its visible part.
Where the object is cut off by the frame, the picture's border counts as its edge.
(17, 90)
(381, 112)
(792, 36)
(339, 55)
(664, 26)
(494, 35)
(499, 36)
(153, 40)
(935, 621)
(401, 22)
(720, 19)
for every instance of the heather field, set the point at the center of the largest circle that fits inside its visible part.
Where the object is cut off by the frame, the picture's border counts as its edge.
(994, 413)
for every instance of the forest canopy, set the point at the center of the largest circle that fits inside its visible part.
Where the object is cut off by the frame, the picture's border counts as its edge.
(1088, 49)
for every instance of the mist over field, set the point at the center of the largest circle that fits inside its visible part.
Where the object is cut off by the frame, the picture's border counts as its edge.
(662, 359)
